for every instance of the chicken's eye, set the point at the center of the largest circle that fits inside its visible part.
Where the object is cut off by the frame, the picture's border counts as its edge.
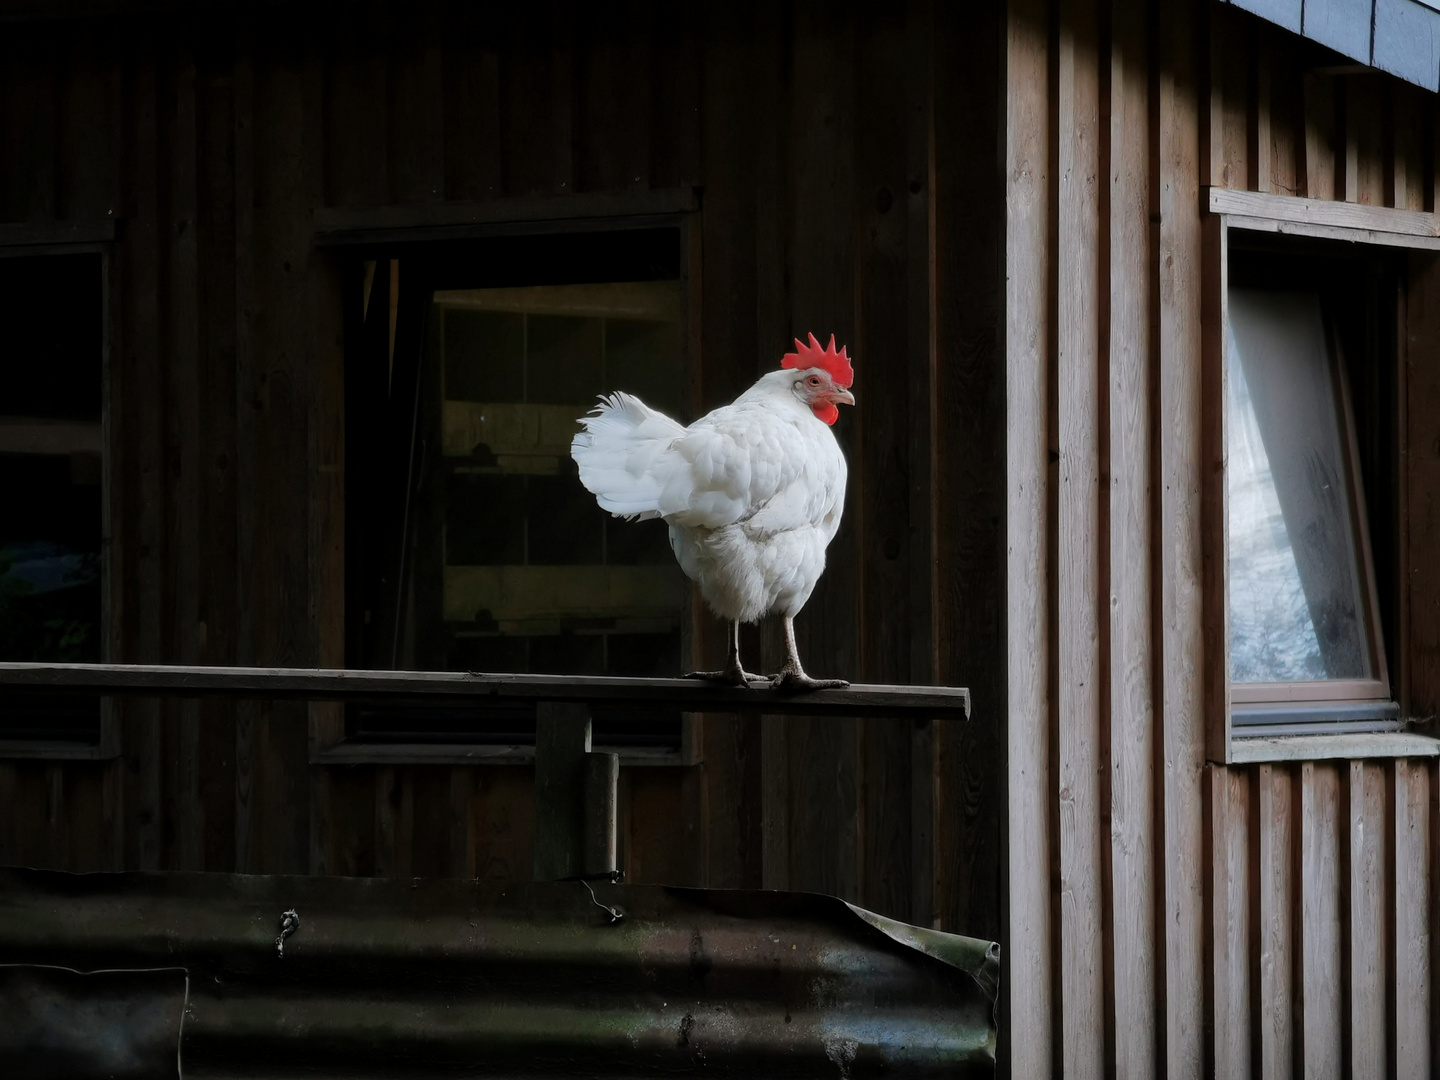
(813, 381)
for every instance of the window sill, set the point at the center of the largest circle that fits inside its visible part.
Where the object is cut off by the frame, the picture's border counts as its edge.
(1385, 744)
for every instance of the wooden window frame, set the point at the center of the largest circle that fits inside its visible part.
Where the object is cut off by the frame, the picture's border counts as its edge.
(349, 233)
(30, 240)
(1412, 230)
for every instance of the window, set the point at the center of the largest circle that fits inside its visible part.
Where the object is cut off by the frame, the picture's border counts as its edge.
(50, 473)
(471, 544)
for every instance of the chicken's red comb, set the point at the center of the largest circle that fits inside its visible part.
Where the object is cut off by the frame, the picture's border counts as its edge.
(812, 355)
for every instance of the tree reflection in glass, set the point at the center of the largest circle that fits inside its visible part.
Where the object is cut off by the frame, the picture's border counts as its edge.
(1296, 611)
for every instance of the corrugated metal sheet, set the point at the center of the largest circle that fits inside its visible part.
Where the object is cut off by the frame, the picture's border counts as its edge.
(154, 974)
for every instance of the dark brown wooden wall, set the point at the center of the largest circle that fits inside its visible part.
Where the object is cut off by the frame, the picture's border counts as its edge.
(849, 161)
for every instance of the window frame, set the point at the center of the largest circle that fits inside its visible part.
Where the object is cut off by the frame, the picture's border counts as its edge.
(1326, 702)
(38, 239)
(347, 236)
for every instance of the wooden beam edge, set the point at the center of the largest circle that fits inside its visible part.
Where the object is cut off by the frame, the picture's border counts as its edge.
(1387, 744)
(1296, 210)
(348, 223)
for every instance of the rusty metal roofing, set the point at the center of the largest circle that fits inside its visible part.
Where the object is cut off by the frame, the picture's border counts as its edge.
(144, 974)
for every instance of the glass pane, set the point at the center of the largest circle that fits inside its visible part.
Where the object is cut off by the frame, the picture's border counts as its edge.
(1296, 607)
(532, 574)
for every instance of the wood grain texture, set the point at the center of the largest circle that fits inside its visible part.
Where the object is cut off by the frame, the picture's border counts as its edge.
(1369, 900)
(1231, 922)
(1132, 669)
(1178, 141)
(1273, 847)
(1412, 863)
(1030, 991)
(1323, 936)
(1079, 173)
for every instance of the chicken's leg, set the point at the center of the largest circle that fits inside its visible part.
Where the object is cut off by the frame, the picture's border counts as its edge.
(732, 672)
(792, 676)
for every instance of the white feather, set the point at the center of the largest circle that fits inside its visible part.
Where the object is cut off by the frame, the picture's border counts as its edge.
(752, 492)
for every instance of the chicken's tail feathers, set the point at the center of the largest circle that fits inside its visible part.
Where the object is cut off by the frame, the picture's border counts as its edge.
(621, 453)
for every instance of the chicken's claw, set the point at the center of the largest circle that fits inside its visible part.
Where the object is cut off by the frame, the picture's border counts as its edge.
(795, 682)
(728, 676)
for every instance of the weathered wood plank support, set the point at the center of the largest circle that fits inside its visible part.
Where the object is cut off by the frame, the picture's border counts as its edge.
(562, 744)
(334, 684)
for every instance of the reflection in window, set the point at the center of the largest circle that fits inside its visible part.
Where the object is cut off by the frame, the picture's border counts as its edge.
(535, 577)
(1297, 612)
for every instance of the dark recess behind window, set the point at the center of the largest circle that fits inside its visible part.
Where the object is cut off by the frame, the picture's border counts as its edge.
(50, 370)
(387, 465)
(1359, 293)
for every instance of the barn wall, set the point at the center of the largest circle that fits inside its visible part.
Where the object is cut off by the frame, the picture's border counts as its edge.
(1168, 916)
(850, 182)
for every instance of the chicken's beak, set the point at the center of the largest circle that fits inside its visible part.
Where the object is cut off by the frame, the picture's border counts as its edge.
(840, 396)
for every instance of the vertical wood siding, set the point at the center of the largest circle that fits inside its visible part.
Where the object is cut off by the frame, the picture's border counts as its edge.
(835, 146)
(1167, 916)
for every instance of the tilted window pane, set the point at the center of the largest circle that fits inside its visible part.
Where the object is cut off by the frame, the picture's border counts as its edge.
(1297, 612)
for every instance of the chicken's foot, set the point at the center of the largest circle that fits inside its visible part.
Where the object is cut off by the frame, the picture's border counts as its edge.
(791, 677)
(732, 674)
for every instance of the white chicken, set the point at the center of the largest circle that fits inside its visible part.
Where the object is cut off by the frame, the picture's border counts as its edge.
(752, 492)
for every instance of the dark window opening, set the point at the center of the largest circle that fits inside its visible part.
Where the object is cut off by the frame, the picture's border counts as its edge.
(1312, 480)
(50, 473)
(470, 543)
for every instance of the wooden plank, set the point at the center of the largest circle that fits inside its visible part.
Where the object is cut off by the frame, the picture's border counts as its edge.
(395, 825)
(562, 739)
(1286, 143)
(737, 819)
(1385, 744)
(217, 601)
(1369, 903)
(1078, 597)
(471, 72)
(333, 684)
(775, 802)
(1273, 841)
(1030, 994)
(821, 242)
(280, 393)
(1232, 38)
(357, 98)
(417, 116)
(1411, 983)
(1378, 219)
(613, 65)
(140, 532)
(1322, 932)
(1365, 131)
(1214, 504)
(1231, 921)
(1178, 513)
(248, 737)
(657, 842)
(183, 524)
(535, 92)
(958, 590)
(886, 556)
(1319, 94)
(461, 822)
(503, 816)
(1131, 634)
